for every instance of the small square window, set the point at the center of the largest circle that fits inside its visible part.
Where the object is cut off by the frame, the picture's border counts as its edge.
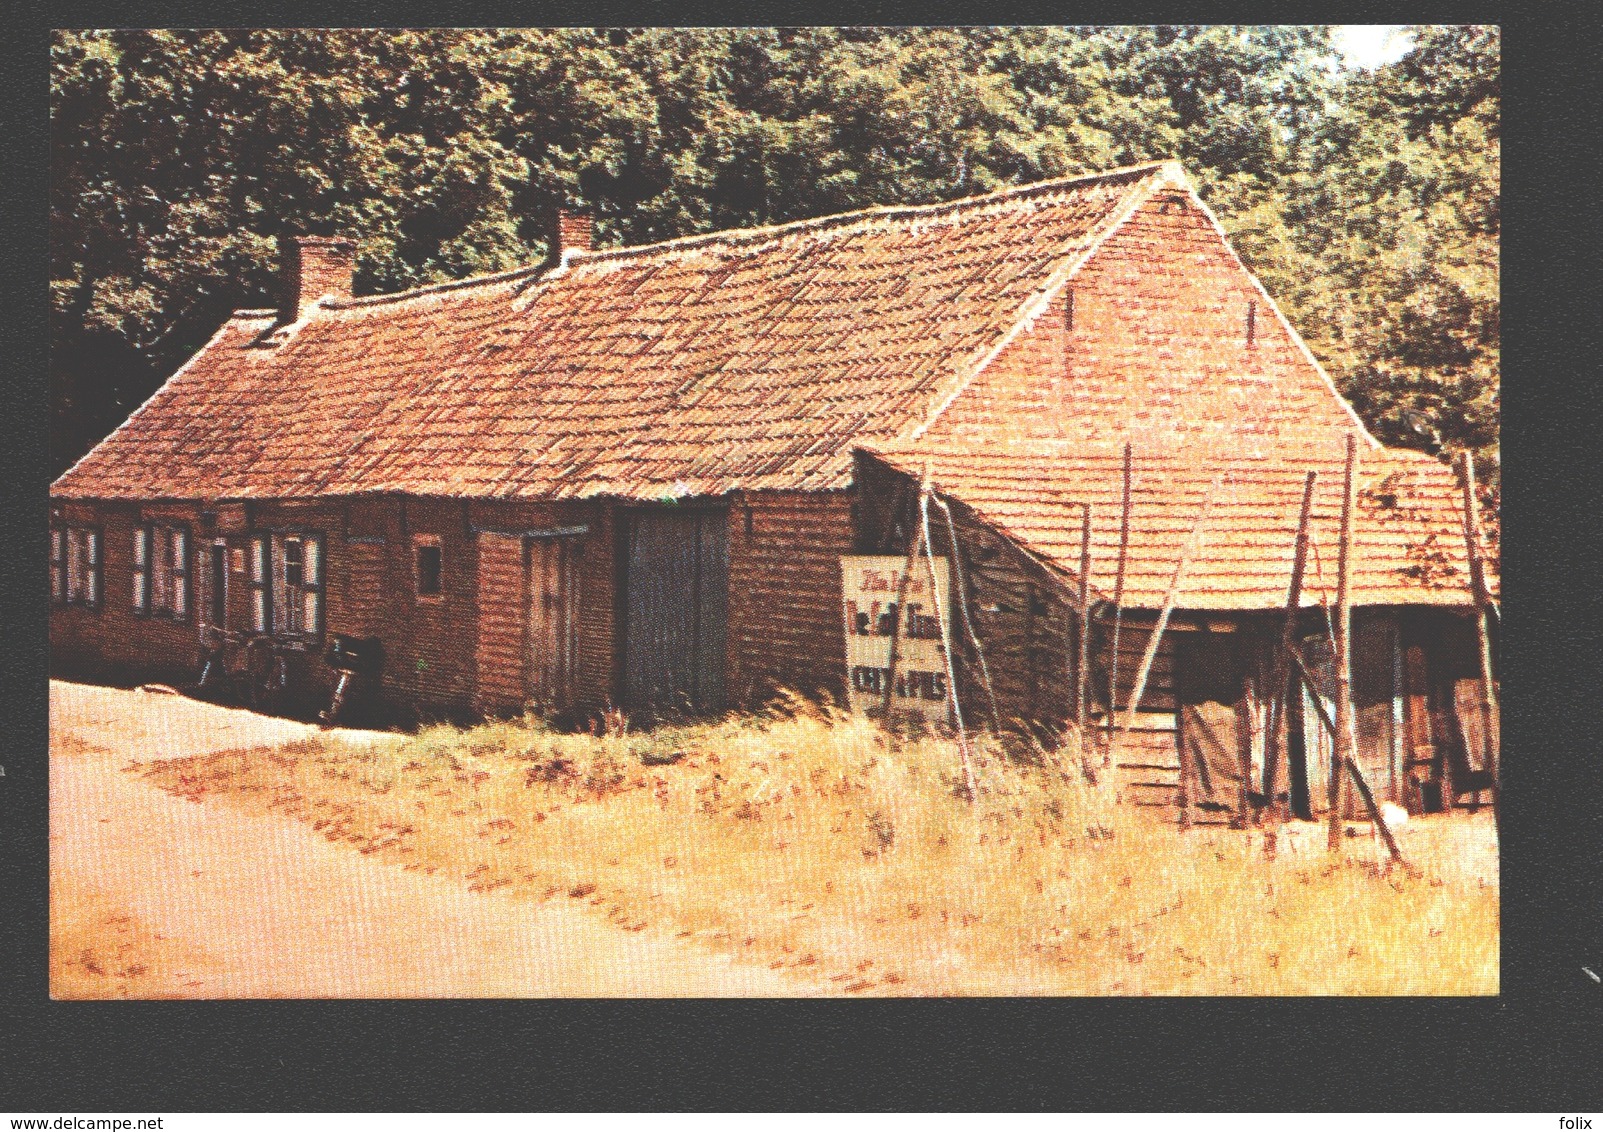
(429, 565)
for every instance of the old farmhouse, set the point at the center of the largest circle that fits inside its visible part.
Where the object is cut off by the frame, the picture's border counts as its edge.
(628, 476)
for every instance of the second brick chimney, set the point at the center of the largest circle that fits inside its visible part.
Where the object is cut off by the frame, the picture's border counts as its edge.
(572, 234)
(314, 267)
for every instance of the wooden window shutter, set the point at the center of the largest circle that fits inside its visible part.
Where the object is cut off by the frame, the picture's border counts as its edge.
(92, 575)
(141, 569)
(180, 568)
(58, 561)
(75, 563)
(260, 588)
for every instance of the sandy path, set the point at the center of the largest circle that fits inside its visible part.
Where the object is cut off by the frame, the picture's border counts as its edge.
(267, 908)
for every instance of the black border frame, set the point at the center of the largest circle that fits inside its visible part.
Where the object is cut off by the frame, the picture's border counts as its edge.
(1536, 1047)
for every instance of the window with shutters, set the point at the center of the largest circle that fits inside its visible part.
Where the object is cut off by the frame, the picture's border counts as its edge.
(287, 584)
(75, 575)
(161, 571)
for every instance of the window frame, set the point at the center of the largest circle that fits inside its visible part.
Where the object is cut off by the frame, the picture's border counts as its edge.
(163, 586)
(286, 601)
(58, 565)
(88, 590)
(214, 593)
(420, 543)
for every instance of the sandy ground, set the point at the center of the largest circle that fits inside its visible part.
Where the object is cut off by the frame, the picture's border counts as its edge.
(155, 896)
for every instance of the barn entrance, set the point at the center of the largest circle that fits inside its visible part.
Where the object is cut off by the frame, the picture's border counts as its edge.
(676, 603)
(1209, 675)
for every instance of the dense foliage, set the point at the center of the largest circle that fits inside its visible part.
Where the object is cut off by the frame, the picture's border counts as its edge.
(1367, 201)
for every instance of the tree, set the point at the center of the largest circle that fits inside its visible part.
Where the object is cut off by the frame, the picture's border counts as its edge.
(1384, 244)
(1368, 202)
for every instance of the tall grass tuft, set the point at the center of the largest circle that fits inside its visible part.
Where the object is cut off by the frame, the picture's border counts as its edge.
(813, 839)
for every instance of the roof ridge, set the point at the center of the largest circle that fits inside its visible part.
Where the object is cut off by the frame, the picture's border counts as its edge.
(744, 236)
(741, 236)
(489, 280)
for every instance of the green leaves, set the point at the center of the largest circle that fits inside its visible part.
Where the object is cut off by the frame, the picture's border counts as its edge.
(1387, 256)
(1368, 202)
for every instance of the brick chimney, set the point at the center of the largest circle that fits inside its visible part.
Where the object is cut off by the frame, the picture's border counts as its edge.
(572, 236)
(314, 266)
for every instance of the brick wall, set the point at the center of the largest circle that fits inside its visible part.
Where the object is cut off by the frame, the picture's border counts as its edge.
(1155, 348)
(368, 592)
(114, 643)
(500, 632)
(314, 267)
(784, 593)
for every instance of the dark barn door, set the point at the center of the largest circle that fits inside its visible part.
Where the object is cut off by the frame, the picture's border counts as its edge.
(676, 611)
(1208, 679)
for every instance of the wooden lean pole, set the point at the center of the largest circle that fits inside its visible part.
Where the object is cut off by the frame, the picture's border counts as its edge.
(1342, 633)
(1118, 609)
(1477, 580)
(1082, 714)
(901, 604)
(946, 645)
(961, 585)
(1301, 671)
(1187, 548)
(1278, 688)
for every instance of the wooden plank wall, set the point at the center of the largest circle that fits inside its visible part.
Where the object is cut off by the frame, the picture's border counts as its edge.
(1024, 617)
(1146, 760)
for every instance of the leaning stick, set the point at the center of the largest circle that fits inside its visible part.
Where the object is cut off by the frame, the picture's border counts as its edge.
(1364, 793)
(898, 618)
(1277, 682)
(1082, 715)
(946, 647)
(1187, 549)
(1374, 812)
(968, 622)
(1343, 641)
(1477, 578)
(1118, 606)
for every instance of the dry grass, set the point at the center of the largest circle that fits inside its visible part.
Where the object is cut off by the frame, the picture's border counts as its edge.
(99, 950)
(813, 840)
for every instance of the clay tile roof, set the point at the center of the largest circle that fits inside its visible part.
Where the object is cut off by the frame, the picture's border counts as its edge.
(1408, 533)
(748, 359)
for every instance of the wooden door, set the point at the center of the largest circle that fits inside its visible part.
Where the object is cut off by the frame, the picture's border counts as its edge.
(551, 593)
(1209, 681)
(676, 610)
(1374, 690)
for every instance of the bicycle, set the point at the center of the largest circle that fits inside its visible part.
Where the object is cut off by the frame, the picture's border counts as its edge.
(251, 668)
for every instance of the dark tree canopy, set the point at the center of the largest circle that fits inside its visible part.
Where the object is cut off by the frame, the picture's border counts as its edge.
(1367, 201)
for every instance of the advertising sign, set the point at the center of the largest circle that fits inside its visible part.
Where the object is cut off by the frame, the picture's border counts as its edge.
(869, 585)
